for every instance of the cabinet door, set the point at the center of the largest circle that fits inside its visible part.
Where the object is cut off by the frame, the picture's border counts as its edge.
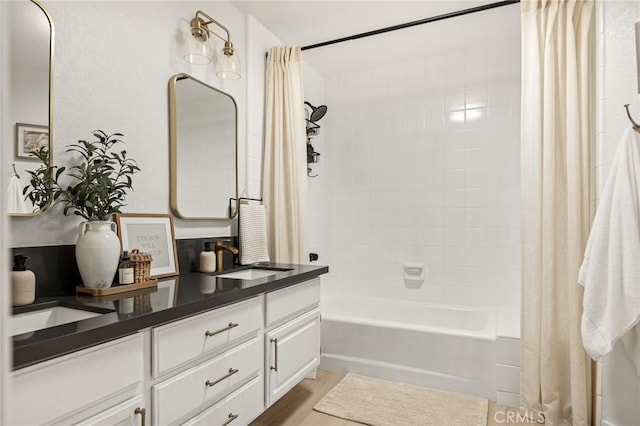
(129, 413)
(292, 350)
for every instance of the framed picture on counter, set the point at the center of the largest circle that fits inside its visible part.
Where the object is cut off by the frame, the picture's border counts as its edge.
(150, 233)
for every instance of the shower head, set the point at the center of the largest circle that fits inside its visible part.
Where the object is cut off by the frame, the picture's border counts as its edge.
(316, 112)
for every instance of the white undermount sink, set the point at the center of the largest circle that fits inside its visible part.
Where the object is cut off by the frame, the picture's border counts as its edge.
(249, 274)
(45, 318)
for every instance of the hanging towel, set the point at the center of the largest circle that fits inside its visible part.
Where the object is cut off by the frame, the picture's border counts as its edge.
(610, 271)
(253, 234)
(15, 201)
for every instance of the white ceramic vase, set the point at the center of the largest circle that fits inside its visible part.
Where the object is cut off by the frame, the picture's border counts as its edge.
(97, 253)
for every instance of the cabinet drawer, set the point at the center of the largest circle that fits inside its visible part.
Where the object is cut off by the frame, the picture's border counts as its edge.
(126, 414)
(177, 397)
(46, 392)
(181, 341)
(286, 303)
(246, 403)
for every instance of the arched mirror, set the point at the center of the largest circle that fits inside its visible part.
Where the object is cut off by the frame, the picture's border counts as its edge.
(203, 137)
(27, 47)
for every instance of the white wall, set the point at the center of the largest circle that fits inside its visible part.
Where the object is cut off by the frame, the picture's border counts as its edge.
(112, 64)
(259, 40)
(618, 391)
(410, 179)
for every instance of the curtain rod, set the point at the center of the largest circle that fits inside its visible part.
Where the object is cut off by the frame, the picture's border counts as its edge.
(413, 23)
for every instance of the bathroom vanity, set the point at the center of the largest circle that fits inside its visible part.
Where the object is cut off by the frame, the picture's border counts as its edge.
(222, 350)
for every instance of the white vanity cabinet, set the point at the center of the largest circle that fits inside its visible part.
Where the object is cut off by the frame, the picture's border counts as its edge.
(220, 367)
(75, 387)
(292, 338)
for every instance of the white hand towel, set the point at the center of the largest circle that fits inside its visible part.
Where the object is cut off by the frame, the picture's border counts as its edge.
(253, 234)
(610, 272)
(15, 200)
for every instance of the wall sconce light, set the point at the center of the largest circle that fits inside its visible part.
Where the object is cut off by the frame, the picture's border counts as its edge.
(198, 50)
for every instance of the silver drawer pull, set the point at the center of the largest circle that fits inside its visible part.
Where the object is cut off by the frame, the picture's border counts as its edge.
(229, 327)
(226, 376)
(143, 415)
(275, 367)
(232, 417)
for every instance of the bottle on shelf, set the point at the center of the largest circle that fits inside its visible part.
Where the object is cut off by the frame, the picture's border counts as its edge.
(23, 282)
(125, 269)
(208, 258)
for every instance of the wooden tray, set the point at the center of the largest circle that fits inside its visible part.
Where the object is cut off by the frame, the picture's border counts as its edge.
(116, 288)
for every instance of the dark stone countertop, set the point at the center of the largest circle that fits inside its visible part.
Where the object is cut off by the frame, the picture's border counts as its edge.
(127, 313)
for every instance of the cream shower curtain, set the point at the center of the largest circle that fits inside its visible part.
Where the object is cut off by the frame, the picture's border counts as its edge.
(557, 76)
(285, 161)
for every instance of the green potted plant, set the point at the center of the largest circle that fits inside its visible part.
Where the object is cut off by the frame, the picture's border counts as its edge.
(38, 191)
(94, 189)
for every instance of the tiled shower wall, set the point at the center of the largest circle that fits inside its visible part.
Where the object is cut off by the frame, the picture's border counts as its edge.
(421, 165)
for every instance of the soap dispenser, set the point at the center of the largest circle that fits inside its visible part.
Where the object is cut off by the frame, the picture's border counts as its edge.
(23, 282)
(208, 258)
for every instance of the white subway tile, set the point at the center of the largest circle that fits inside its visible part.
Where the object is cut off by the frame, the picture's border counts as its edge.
(498, 94)
(399, 169)
(455, 159)
(476, 58)
(454, 179)
(455, 101)
(454, 198)
(507, 378)
(454, 61)
(508, 351)
(454, 236)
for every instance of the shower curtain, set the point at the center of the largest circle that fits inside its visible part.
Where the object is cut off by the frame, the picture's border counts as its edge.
(285, 163)
(557, 78)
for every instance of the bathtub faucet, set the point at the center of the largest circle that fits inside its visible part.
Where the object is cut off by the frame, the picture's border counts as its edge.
(220, 247)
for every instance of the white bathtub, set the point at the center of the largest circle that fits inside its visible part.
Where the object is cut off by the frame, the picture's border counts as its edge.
(443, 347)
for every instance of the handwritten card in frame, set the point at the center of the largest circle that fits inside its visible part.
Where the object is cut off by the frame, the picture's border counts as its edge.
(150, 233)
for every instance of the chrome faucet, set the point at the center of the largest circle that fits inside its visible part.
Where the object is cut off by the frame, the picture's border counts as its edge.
(219, 248)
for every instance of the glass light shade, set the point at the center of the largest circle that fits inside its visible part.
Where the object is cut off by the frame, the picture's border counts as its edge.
(197, 51)
(228, 66)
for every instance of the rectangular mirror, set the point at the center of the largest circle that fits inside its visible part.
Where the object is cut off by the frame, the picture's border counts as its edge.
(203, 138)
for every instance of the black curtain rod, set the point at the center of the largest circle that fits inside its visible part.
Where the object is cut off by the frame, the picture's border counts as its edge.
(413, 23)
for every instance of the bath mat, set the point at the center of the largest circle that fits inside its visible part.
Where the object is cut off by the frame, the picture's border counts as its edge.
(378, 402)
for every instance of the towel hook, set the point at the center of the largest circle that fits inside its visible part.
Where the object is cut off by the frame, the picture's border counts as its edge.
(14, 171)
(636, 126)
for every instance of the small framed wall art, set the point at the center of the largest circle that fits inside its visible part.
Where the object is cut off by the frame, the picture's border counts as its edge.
(30, 138)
